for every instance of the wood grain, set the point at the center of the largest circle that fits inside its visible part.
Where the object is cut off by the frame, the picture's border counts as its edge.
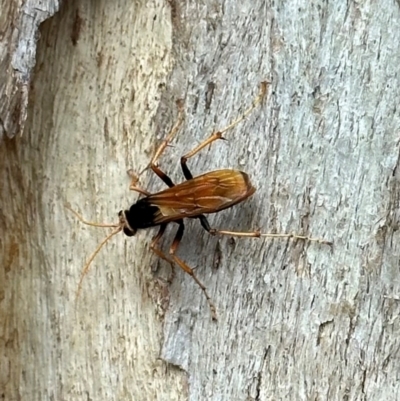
(297, 321)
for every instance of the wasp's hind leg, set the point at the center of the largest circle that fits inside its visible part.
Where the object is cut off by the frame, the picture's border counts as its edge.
(218, 134)
(257, 234)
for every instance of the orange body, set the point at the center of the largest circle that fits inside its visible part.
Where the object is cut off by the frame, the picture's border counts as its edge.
(207, 193)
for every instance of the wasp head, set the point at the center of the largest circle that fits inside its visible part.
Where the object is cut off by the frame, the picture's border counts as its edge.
(127, 229)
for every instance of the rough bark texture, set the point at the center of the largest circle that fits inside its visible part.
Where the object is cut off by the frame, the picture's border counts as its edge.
(297, 321)
(19, 24)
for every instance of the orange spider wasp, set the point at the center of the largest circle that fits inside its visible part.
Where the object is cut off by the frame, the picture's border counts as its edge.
(208, 193)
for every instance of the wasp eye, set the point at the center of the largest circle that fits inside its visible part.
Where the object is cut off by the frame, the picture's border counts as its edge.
(129, 232)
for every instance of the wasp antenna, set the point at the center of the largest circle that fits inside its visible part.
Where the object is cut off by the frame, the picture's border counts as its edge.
(89, 223)
(90, 260)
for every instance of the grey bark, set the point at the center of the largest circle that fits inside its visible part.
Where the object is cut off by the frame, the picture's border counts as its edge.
(19, 22)
(297, 320)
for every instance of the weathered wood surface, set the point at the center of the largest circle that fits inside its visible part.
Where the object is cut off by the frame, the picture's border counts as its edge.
(296, 321)
(19, 25)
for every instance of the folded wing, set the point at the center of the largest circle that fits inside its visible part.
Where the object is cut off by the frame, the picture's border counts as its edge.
(207, 193)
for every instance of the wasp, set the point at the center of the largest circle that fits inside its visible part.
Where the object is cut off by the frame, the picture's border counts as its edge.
(194, 198)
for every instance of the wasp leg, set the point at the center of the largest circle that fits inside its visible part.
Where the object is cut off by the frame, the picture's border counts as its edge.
(218, 134)
(162, 175)
(187, 269)
(155, 240)
(153, 163)
(160, 253)
(258, 234)
(164, 144)
(204, 223)
(135, 179)
(185, 169)
(133, 185)
(171, 134)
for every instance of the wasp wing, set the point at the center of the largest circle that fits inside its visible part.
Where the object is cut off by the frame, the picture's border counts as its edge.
(207, 193)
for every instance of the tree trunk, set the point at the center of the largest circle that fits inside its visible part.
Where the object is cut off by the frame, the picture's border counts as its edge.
(19, 33)
(296, 320)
